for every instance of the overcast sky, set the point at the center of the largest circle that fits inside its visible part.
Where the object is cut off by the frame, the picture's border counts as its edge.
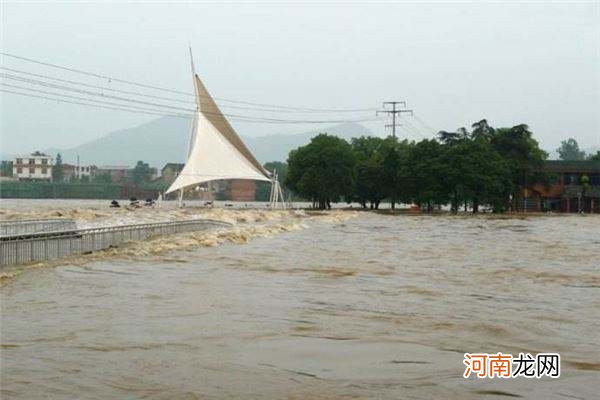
(533, 63)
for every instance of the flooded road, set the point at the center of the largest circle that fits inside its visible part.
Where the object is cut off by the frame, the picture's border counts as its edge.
(346, 305)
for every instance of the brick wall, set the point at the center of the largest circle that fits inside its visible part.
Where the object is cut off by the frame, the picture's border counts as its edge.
(241, 190)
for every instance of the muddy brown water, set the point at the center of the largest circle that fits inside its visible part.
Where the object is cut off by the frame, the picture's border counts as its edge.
(301, 307)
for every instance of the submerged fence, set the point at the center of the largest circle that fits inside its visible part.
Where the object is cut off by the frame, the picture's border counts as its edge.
(62, 190)
(24, 248)
(65, 190)
(19, 227)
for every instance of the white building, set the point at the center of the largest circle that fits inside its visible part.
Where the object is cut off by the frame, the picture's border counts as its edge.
(71, 172)
(85, 171)
(34, 166)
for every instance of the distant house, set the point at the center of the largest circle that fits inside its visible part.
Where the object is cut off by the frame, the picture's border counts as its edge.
(82, 171)
(35, 166)
(117, 173)
(575, 187)
(78, 171)
(170, 171)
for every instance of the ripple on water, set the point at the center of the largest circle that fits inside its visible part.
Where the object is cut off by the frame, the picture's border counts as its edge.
(301, 306)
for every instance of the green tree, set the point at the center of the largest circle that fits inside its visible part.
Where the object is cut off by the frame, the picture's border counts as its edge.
(457, 167)
(569, 150)
(594, 157)
(427, 174)
(141, 173)
(477, 175)
(57, 170)
(6, 169)
(368, 176)
(396, 171)
(484, 167)
(524, 157)
(455, 159)
(450, 138)
(482, 130)
(321, 171)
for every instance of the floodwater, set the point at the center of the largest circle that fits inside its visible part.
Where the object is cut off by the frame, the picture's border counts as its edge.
(300, 306)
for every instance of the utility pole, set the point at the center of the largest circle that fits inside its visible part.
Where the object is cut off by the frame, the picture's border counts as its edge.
(394, 111)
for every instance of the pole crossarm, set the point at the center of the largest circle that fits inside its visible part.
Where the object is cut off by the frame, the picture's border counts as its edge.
(393, 112)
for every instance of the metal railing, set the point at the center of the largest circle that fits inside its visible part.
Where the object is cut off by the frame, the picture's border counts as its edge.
(25, 248)
(23, 226)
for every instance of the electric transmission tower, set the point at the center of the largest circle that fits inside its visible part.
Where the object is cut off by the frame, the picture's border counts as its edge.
(395, 110)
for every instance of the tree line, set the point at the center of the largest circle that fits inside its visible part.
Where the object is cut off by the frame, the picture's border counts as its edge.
(569, 151)
(483, 166)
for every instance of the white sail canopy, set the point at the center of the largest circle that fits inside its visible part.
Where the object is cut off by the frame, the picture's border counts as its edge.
(216, 151)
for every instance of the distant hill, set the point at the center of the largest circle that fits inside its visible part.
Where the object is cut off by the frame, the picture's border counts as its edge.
(166, 140)
(156, 142)
(277, 147)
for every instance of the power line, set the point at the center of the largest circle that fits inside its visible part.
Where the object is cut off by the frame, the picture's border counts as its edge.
(87, 92)
(95, 86)
(93, 101)
(414, 129)
(128, 82)
(78, 71)
(424, 124)
(242, 118)
(92, 105)
(302, 109)
(103, 88)
(146, 103)
(393, 112)
(408, 132)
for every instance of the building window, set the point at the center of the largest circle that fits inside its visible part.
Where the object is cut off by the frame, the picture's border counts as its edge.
(44, 171)
(32, 170)
(19, 161)
(44, 161)
(19, 170)
(31, 161)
